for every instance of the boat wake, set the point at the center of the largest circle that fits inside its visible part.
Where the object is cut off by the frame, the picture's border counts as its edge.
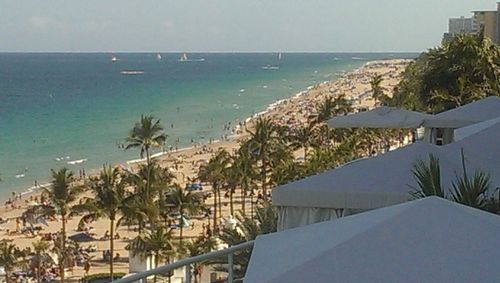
(79, 161)
(132, 72)
(270, 67)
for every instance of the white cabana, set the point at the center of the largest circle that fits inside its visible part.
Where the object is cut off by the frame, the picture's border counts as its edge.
(360, 185)
(427, 240)
(382, 180)
(380, 117)
(439, 128)
(464, 132)
(481, 150)
(478, 111)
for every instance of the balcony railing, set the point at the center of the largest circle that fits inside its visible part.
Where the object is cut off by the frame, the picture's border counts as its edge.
(187, 262)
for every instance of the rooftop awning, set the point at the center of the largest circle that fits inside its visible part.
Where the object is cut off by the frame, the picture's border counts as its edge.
(381, 117)
(472, 113)
(386, 179)
(464, 132)
(427, 240)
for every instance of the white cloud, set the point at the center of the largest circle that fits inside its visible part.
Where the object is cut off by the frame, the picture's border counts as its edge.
(168, 24)
(40, 22)
(96, 25)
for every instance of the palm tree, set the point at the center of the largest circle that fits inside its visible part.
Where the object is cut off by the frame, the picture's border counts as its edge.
(199, 246)
(9, 257)
(331, 107)
(377, 89)
(40, 256)
(185, 202)
(287, 170)
(324, 110)
(155, 244)
(304, 137)
(471, 191)
(108, 200)
(146, 134)
(342, 105)
(246, 174)
(456, 73)
(428, 177)
(163, 182)
(214, 173)
(231, 177)
(62, 193)
(248, 229)
(262, 143)
(321, 160)
(140, 207)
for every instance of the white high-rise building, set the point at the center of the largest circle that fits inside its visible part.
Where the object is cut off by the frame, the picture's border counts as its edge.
(460, 25)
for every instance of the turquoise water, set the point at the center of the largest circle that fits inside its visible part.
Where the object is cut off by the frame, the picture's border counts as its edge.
(80, 106)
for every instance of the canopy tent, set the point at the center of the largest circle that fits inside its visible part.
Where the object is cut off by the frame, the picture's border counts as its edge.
(418, 241)
(464, 132)
(382, 180)
(390, 117)
(360, 185)
(472, 113)
(380, 117)
(481, 151)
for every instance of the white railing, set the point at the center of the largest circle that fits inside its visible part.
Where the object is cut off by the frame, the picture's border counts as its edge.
(187, 262)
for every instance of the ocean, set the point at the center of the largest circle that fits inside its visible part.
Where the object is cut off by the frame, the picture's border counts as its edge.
(74, 109)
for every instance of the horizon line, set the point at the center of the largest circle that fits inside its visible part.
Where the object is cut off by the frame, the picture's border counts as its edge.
(217, 52)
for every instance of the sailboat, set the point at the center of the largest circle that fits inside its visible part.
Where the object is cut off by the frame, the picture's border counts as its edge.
(158, 56)
(273, 67)
(184, 57)
(114, 59)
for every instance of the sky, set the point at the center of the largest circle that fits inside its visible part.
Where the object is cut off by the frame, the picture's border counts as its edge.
(228, 25)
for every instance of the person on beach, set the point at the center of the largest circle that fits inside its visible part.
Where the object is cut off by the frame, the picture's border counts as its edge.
(87, 267)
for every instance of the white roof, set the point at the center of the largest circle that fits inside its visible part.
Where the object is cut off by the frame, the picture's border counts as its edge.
(464, 132)
(386, 179)
(380, 117)
(482, 110)
(481, 150)
(389, 117)
(427, 240)
(363, 184)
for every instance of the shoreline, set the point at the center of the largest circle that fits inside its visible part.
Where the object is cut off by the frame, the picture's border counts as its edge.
(268, 110)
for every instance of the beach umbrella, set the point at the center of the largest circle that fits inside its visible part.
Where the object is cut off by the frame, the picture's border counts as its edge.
(82, 237)
(427, 240)
(380, 117)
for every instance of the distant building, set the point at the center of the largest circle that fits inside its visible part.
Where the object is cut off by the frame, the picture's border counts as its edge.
(488, 20)
(460, 25)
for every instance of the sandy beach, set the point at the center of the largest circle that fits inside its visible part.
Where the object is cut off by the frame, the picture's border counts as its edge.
(184, 164)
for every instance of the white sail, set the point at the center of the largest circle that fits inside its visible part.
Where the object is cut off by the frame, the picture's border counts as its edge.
(158, 56)
(279, 56)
